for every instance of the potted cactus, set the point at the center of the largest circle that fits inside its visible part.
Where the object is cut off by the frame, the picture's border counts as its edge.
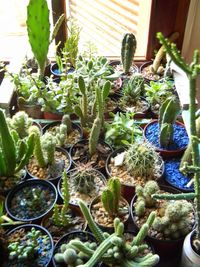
(14, 155)
(49, 161)
(113, 249)
(85, 183)
(167, 135)
(105, 208)
(173, 220)
(191, 247)
(134, 165)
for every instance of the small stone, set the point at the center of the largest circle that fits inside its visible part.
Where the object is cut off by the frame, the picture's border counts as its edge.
(119, 159)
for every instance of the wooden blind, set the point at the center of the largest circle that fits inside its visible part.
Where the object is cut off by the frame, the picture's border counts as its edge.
(104, 22)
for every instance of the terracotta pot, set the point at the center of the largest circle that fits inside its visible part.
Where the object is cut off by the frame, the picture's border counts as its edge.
(165, 153)
(189, 257)
(52, 116)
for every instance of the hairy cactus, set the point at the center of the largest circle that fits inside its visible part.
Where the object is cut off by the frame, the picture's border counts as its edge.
(14, 153)
(113, 248)
(111, 196)
(127, 51)
(20, 122)
(141, 160)
(175, 223)
(38, 27)
(167, 116)
(144, 198)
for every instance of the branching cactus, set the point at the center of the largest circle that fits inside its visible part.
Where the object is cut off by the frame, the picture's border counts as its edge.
(167, 117)
(192, 71)
(14, 153)
(113, 249)
(142, 160)
(111, 196)
(127, 51)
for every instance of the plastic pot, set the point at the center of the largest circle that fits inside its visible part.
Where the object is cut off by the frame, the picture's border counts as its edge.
(56, 73)
(22, 199)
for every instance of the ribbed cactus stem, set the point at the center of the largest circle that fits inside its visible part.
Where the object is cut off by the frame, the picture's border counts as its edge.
(107, 200)
(94, 136)
(65, 190)
(127, 51)
(115, 187)
(84, 100)
(66, 120)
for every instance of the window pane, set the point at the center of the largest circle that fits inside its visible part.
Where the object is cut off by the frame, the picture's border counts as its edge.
(104, 22)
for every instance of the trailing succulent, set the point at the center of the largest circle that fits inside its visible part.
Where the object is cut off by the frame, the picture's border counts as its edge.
(14, 152)
(112, 249)
(167, 116)
(172, 218)
(127, 51)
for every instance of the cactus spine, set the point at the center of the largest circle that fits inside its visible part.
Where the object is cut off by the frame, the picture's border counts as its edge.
(167, 116)
(127, 51)
(11, 148)
(38, 27)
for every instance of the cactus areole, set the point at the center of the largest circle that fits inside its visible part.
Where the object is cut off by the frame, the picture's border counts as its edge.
(38, 27)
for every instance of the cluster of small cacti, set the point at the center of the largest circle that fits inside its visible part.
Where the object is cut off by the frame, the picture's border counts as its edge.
(20, 122)
(167, 116)
(14, 152)
(141, 160)
(144, 197)
(110, 197)
(127, 51)
(113, 248)
(83, 179)
(62, 131)
(133, 88)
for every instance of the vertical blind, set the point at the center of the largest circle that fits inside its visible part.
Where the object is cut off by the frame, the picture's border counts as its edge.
(104, 22)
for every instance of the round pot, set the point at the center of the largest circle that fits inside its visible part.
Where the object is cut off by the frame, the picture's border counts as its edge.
(55, 179)
(149, 77)
(103, 150)
(110, 228)
(82, 235)
(56, 73)
(34, 111)
(75, 126)
(118, 67)
(151, 134)
(23, 199)
(41, 260)
(127, 189)
(52, 116)
(85, 197)
(174, 177)
(78, 223)
(33, 66)
(189, 257)
(163, 247)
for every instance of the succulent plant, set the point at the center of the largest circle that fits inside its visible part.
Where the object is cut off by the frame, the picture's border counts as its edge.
(127, 51)
(14, 152)
(167, 117)
(141, 160)
(113, 248)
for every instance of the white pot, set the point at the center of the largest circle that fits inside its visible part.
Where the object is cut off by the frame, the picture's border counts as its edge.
(189, 257)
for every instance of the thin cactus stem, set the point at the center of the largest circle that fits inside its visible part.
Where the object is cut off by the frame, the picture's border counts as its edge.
(187, 196)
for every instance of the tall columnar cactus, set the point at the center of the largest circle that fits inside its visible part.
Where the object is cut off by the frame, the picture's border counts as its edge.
(127, 51)
(14, 153)
(113, 249)
(167, 116)
(38, 27)
(101, 95)
(192, 71)
(111, 196)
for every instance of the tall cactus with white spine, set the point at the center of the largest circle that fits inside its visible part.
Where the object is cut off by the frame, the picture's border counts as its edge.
(127, 51)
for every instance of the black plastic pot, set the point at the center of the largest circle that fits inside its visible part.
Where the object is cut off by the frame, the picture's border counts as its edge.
(72, 202)
(54, 180)
(18, 201)
(75, 126)
(82, 235)
(33, 261)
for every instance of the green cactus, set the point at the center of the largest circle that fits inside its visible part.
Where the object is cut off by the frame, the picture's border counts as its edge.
(14, 153)
(113, 248)
(111, 196)
(167, 116)
(127, 51)
(141, 160)
(38, 27)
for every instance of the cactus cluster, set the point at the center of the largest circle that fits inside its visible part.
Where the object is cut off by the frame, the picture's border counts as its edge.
(167, 116)
(14, 152)
(127, 51)
(62, 131)
(113, 248)
(141, 160)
